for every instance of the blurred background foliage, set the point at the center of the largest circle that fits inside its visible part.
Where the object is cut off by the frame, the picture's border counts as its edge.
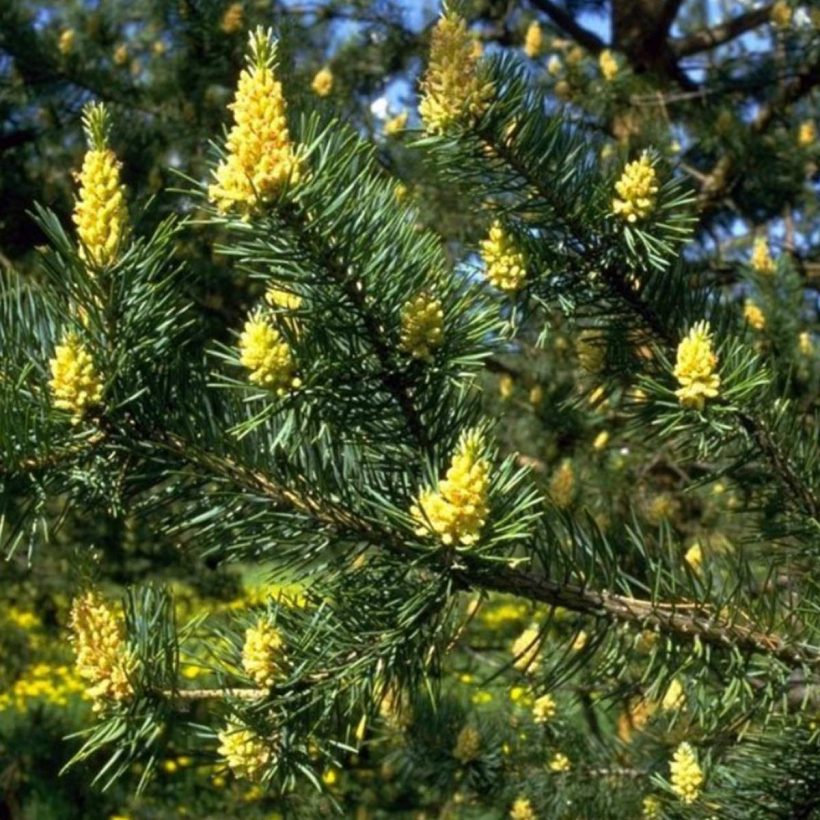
(732, 110)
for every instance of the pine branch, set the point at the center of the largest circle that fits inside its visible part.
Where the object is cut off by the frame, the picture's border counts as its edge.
(649, 316)
(684, 620)
(688, 621)
(392, 380)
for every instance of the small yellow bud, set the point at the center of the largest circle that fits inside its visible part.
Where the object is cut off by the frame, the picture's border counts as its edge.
(65, 44)
(453, 92)
(534, 40)
(75, 383)
(268, 356)
(121, 54)
(457, 510)
(562, 485)
(781, 14)
(103, 658)
(526, 648)
(754, 315)
(806, 134)
(246, 754)
(505, 265)
(762, 260)
(468, 745)
(694, 557)
(395, 125)
(636, 189)
(322, 83)
(522, 810)
(260, 157)
(695, 368)
(608, 65)
(263, 656)
(544, 708)
(233, 19)
(686, 774)
(422, 326)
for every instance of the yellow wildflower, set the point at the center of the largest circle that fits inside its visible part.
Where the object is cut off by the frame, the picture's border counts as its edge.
(694, 556)
(806, 134)
(103, 657)
(422, 326)
(268, 356)
(601, 440)
(522, 810)
(781, 14)
(506, 385)
(506, 267)
(260, 155)
(762, 260)
(695, 367)
(562, 485)
(75, 383)
(244, 751)
(636, 190)
(651, 808)
(534, 40)
(65, 44)
(608, 65)
(525, 648)
(121, 54)
(330, 776)
(100, 212)
(395, 125)
(456, 511)
(559, 763)
(554, 65)
(453, 92)
(674, 697)
(233, 19)
(159, 48)
(579, 641)
(468, 745)
(686, 774)
(322, 83)
(754, 315)
(544, 708)
(536, 395)
(263, 653)
(805, 344)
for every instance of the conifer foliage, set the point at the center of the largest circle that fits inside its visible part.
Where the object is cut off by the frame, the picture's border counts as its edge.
(364, 431)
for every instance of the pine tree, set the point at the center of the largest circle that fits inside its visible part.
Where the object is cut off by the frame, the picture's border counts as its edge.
(558, 448)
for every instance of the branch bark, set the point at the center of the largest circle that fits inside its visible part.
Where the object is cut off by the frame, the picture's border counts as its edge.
(708, 38)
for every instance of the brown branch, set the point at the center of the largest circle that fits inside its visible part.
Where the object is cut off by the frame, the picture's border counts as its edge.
(708, 38)
(685, 620)
(566, 22)
(214, 694)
